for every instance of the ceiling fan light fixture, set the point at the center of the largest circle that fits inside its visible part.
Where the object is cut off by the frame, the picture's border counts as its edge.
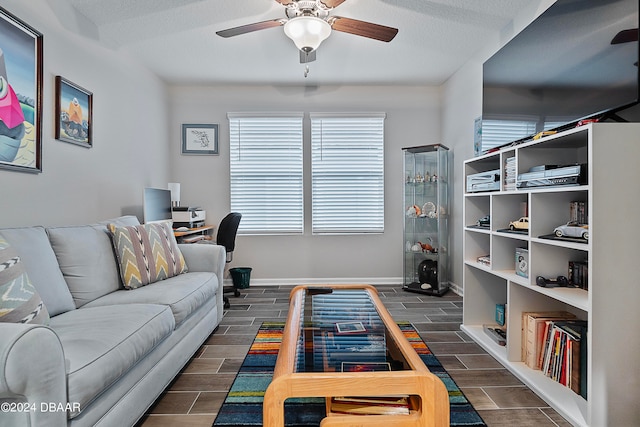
(307, 32)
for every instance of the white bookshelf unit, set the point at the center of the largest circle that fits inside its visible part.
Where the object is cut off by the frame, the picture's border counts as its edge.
(611, 305)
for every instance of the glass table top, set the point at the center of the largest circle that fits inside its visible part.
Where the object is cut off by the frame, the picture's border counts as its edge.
(341, 331)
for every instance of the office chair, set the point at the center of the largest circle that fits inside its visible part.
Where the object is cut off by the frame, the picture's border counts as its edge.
(226, 237)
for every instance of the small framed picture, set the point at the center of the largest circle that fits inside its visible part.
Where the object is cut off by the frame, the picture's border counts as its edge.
(74, 111)
(200, 139)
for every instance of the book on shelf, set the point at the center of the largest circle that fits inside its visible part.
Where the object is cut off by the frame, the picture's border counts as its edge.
(565, 354)
(533, 334)
(375, 405)
(578, 274)
(501, 314)
(578, 212)
(510, 174)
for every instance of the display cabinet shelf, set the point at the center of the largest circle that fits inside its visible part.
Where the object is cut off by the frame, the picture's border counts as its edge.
(426, 219)
(608, 297)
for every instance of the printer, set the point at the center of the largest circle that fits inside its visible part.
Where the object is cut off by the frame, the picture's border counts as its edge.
(185, 216)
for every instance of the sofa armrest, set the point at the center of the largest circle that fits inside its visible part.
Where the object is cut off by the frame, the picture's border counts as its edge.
(207, 257)
(33, 384)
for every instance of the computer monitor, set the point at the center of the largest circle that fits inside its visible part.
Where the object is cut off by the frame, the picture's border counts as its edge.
(156, 205)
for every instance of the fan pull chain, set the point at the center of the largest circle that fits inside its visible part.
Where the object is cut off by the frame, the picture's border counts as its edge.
(306, 71)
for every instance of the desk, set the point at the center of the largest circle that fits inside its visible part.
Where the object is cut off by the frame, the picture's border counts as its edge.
(195, 234)
(314, 349)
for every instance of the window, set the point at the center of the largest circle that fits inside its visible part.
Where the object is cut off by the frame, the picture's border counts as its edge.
(347, 173)
(266, 172)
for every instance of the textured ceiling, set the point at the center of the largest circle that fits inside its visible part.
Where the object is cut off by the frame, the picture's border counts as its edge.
(176, 39)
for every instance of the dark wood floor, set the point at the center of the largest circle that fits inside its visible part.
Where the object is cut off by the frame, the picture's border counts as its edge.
(501, 399)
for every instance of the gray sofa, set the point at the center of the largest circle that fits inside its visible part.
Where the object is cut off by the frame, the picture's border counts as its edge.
(107, 352)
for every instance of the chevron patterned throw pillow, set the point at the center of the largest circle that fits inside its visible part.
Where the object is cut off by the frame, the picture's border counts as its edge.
(146, 253)
(19, 300)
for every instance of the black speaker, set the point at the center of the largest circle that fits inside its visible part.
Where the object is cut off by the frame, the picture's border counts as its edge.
(428, 273)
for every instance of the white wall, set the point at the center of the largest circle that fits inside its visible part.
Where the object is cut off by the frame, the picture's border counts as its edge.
(413, 118)
(462, 104)
(137, 124)
(79, 185)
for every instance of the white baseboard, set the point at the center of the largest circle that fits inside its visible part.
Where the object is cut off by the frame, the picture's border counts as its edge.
(326, 281)
(457, 289)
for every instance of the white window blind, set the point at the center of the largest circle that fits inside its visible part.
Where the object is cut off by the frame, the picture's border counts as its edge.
(347, 173)
(266, 172)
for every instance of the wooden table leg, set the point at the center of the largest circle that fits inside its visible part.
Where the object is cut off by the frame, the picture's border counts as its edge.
(273, 403)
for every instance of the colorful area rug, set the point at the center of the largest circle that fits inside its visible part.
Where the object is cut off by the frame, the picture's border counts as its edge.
(243, 405)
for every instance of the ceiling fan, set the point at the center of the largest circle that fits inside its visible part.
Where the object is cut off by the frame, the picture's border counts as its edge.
(308, 23)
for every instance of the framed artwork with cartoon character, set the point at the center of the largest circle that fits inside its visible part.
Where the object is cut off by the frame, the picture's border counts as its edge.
(20, 95)
(74, 111)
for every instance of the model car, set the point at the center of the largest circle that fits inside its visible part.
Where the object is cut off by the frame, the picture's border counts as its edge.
(521, 224)
(572, 229)
(485, 221)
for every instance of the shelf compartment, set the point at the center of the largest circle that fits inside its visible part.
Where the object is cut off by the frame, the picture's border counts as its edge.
(503, 252)
(551, 209)
(481, 164)
(506, 208)
(551, 261)
(478, 205)
(523, 299)
(486, 290)
(476, 245)
(569, 150)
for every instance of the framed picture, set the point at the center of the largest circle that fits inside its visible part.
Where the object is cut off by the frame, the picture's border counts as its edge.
(200, 139)
(21, 90)
(74, 113)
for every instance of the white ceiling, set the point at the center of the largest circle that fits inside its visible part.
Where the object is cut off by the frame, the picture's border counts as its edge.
(177, 39)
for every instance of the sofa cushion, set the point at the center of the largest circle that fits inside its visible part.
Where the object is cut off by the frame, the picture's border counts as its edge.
(19, 300)
(184, 294)
(146, 253)
(32, 244)
(102, 343)
(87, 261)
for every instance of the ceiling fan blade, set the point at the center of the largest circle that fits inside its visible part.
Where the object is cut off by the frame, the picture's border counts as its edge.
(285, 2)
(330, 4)
(243, 29)
(364, 29)
(306, 57)
(626, 36)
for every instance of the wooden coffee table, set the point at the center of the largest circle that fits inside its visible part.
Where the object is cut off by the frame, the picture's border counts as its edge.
(340, 341)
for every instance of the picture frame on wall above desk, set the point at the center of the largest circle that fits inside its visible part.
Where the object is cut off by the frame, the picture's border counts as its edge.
(200, 139)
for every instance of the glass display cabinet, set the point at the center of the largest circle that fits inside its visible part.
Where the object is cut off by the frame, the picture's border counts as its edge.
(426, 219)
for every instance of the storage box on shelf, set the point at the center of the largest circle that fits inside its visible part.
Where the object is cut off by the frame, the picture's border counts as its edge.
(606, 294)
